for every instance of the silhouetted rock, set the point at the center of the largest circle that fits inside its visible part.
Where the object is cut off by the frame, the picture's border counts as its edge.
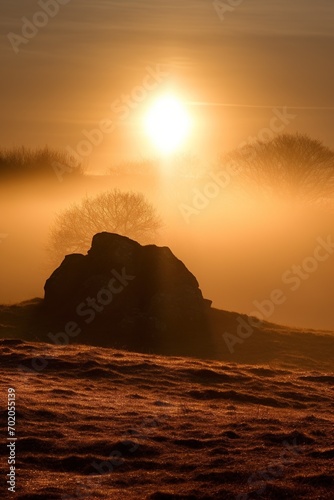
(126, 295)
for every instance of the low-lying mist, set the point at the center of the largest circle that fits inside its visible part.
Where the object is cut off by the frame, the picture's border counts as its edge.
(260, 248)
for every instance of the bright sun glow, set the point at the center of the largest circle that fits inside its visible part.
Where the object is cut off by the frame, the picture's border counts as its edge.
(167, 124)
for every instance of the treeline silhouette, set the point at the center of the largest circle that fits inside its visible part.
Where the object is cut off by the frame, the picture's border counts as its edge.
(289, 165)
(28, 163)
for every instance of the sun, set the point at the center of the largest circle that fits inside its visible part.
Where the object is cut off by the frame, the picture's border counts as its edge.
(167, 124)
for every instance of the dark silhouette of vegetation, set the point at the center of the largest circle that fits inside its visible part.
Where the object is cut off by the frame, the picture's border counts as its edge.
(44, 162)
(125, 213)
(182, 165)
(142, 166)
(288, 165)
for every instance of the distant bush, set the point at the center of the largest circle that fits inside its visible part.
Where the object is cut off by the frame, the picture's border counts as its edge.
(291, 165)
(44, 162)
(143, 166)
(182, 165)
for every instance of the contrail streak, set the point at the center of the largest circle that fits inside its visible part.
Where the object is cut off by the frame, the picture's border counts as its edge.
(254, 106)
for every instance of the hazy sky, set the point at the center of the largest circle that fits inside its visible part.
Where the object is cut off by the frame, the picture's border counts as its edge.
(264, 62)
(262, 53)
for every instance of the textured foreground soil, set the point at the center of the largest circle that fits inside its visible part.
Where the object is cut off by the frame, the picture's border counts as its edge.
(96, 423)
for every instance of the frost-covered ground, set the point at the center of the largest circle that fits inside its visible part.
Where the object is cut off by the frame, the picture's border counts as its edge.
(98, 423)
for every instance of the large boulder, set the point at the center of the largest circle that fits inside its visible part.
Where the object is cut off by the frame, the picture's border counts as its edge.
(126, 295)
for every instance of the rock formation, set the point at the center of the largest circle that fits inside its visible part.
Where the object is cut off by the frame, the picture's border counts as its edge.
(126, 295)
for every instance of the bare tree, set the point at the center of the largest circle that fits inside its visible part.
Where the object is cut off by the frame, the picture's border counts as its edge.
(125, 213)
(288, 165)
